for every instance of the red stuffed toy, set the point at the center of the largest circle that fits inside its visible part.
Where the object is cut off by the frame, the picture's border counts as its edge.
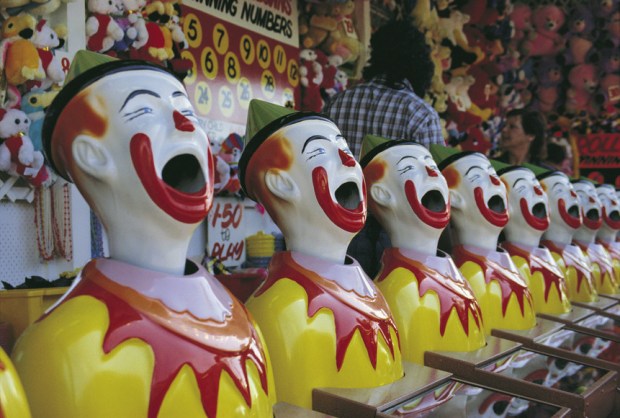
(583, 80)
(546, 39)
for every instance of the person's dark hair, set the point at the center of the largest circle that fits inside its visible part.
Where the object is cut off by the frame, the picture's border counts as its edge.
(399, 51)
(533, 123)
(557, 153)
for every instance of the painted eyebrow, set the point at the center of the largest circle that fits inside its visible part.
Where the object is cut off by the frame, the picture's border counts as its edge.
(516, 181)
(472, 167)
(556, 185)
(137, 93)
(407, 156)
(313, 138)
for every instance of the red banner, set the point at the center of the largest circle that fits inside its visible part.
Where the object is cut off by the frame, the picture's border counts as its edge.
(599, 157)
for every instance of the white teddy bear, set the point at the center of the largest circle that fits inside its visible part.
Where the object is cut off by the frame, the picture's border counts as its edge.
(17, 153)
(102, 30)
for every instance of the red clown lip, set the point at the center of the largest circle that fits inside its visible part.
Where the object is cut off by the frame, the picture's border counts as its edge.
(536, 222)
(351, 220)
(572, 221)
(613, 219)
(435, 219)
(498, 218)
(184, 207)
(592, 220)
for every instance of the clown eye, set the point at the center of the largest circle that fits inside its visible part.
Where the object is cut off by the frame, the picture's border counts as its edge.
(137, 113)
(316, 153)
(520, 189)
(474, 177)
(189, 113)
(405, 169)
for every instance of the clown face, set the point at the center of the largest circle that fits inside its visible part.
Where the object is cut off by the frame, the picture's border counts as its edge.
(527, 203)
(157, 153)
(563, 202)
(417, 186)
(611, 207)
(480, 194)
(590, 205)
(328, 180)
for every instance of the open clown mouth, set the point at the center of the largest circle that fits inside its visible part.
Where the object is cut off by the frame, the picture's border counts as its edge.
(592, 219)
(494, 210)
(182, 192)
(184, 174)
(571, 216)
(431, 209)
(349, 210)
(536, 218)
(348, 195)
(612, 219)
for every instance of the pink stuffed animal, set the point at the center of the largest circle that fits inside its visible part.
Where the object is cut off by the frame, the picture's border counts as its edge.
(311, 77)
(583, 80)
(545, 40)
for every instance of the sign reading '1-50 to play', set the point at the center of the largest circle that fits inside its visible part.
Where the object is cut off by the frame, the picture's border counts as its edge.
(240, 50)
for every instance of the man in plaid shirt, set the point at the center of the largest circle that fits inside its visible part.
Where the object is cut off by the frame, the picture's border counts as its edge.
(389, 105)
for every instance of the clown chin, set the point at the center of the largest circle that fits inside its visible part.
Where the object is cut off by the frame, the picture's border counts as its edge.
(348, 195)
(184, 174)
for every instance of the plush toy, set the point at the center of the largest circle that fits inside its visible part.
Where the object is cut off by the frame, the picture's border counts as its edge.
(459, 104)
(17, 154)
(549, 77)
(546, 39)
(483, 92)
(318, 26)
(475, 9)
(230, 153)
(343, 41)
(18, 55)
(157, 48)
(583, 79)
(33, 7)
(34, 104)
(580, 36)
(521, 17)
(102, 30)
(311, 77)
(612, 28)
(424, 14)
(47, 40)
(610, 61)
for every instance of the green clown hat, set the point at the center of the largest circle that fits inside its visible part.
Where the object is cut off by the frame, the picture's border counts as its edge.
(536, 169)
(86, 68)
(373, 145)
(501, 167)
(444, 156)
(264, 119)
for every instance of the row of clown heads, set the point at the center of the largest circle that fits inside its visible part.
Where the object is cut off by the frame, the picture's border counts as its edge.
(145, 333)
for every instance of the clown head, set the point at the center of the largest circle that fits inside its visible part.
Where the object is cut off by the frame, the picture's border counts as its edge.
(527, 204)
(407, 193)
(125, 132)
(299, 167)
(590, 211)
(477, 199)
(611, 213)
(564, 211)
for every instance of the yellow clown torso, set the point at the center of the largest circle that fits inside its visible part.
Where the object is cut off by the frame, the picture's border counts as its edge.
(434, 307)
(544, 278)
(111, 349)
(13, 403)
(613, 248)
(321, 334)
(502, 293)
(603, 275)
(576, 268)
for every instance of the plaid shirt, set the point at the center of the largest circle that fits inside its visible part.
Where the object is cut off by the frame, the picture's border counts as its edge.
(374, 108)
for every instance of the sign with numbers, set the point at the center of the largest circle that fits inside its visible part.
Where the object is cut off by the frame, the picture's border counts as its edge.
(225, 232)
(240, 50)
